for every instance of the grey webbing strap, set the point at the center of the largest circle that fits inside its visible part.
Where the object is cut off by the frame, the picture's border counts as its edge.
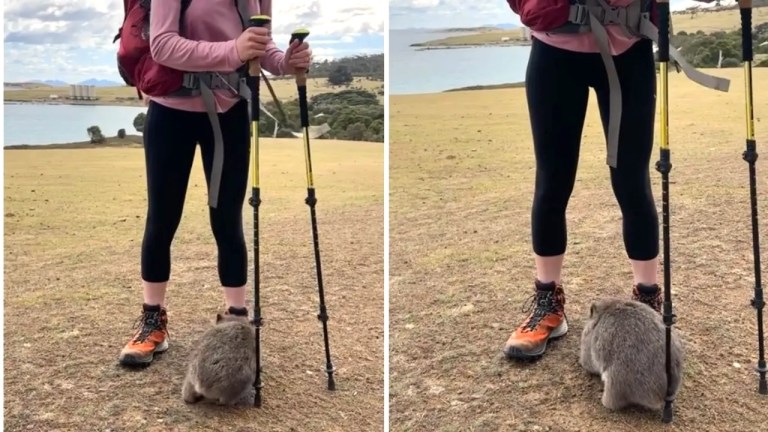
(614, 87)
(218, 144)
(650, 31)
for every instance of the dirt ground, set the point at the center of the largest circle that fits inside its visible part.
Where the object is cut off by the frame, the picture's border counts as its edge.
(73, 228)
(461, 266)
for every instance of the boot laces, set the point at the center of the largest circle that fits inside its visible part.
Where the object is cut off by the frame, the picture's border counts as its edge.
(149, 321)
(543, 303)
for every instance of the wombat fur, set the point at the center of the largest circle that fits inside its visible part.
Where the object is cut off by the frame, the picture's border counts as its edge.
(623, 341)
(223, 367)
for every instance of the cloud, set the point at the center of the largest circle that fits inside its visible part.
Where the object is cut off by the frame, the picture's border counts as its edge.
(72, 39)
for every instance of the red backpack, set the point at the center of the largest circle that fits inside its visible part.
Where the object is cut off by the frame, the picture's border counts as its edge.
(562, 16)
(134, 60)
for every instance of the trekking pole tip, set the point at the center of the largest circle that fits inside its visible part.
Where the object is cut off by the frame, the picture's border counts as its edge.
(763, 387)
(666, 417)
(259, 20)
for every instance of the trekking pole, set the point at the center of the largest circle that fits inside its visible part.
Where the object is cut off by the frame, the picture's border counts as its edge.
(254, 70)
(664, 166)
(750, 156)
(301, 85)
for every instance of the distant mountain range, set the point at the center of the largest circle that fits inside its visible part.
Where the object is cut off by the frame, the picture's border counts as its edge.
(92, 81)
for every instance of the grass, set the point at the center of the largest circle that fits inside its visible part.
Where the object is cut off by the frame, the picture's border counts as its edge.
(461, 185)
(722, 20)
(74, 221)
(285, 89)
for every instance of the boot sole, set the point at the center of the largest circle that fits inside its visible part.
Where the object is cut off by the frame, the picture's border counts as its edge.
(516, 353)
(134, 360)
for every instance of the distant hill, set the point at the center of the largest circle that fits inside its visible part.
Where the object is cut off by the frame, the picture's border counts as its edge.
(52, 83)
(100, 83)
(60, 83)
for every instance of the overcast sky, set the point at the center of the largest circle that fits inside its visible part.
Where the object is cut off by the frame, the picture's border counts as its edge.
(71, 40)
(463, 13)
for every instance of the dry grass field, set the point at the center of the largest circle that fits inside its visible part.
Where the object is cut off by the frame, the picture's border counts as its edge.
(73, 228)
(721, 20)
(461, 185)
(285, 89)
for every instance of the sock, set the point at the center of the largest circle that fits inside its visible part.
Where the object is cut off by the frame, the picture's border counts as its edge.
(151, 308)
(648, 289)
(238, 311)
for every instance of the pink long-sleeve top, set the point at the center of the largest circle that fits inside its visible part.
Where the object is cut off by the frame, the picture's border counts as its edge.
(585, 42)
(208, 45)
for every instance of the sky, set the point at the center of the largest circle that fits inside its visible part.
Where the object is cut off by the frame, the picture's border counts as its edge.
(71, 40)
(463, 13)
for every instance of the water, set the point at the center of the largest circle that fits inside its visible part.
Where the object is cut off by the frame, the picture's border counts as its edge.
(430, 71)
(37, 124)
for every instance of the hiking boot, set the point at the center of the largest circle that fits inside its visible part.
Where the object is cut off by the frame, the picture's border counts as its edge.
(648, 294)
(547, 321)
(150, 339)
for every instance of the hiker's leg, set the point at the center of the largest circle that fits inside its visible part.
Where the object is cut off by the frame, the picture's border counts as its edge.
(227, 217)
(631, 179)
(557, 102)
(169, 149)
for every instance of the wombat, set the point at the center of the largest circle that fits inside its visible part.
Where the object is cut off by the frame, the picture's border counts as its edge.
(624, 342)
(223, 367)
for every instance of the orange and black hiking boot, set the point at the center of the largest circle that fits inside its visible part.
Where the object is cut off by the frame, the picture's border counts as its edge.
(648, 294)
(150, 339)
(547, 321)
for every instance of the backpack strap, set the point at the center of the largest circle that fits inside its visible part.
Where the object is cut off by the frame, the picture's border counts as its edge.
(635, 20)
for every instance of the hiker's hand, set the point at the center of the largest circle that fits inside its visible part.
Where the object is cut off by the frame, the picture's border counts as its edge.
(252, 43)
(297, 56)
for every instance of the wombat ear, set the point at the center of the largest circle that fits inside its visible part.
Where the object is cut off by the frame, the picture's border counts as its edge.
(592, 310)
(218, 318)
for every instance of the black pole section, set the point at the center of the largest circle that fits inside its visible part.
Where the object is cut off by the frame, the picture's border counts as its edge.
(664, 166)
(311, 201)
(253, 82)
(750, 156)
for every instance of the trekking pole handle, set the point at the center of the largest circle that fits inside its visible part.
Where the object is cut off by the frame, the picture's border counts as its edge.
(300, 35)
(254, 66)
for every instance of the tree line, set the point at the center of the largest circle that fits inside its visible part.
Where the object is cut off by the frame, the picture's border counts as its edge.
(354, 115)
(703, 50)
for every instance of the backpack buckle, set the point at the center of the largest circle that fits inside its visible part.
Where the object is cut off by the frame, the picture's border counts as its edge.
(614, 15)
(578, 14)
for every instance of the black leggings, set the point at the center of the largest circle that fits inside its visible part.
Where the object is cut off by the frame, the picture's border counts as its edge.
(557, 88)
(170, 139)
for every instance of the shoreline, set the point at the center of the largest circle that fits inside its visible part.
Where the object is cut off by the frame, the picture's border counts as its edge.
(503, 86)
(136, 104)
(424, 46)
(130, 141)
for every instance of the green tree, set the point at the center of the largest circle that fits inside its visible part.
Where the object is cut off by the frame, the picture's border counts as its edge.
(138, 122)
(340, 75)
(95, 135)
